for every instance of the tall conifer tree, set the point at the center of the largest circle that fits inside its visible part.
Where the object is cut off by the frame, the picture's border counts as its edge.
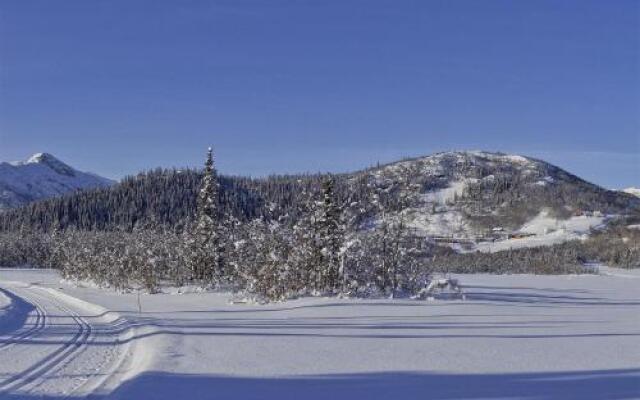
(332, 235)
(207, 262)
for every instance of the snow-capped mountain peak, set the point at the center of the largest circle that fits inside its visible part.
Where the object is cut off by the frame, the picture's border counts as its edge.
(40, 176)
(42, 158)
(50, 161)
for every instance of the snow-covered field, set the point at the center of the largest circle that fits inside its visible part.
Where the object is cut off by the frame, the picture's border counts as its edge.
(514, 337)
(546, 231)
(10, 318)
(6, 307)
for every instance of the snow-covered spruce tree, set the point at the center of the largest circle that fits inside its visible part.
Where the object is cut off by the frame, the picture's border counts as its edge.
(207, 258)
(247, 255)
(353, 260)
(233, 236)
(307, 253)
(386, 244)
(331, 229)
(275, 278)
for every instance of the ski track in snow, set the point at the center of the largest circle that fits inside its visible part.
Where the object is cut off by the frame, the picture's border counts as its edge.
(515, 337)
(60, 350)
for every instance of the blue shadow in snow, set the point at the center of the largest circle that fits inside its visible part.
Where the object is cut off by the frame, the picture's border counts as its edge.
(621, 384)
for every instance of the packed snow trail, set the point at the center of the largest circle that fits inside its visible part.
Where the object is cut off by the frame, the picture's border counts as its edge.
(62, 349)
(523, 337)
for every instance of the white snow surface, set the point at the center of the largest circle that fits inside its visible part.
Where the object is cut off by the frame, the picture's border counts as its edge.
(5, 302)
(632, 190)
(7, 313)
(543, 224)
(514, 337)
(548, 231)
(6, 308)
(446, 223)
(42, 176)
(548, 239)
(442, 196)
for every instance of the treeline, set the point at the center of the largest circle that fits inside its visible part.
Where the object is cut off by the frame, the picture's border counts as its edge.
(275, 238)
(265, 261)
(165, 197)
(496, 194)
(271, 261)
(272, 258)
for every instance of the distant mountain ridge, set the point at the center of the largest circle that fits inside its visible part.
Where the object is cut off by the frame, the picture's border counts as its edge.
(42, 176)
(464, 194)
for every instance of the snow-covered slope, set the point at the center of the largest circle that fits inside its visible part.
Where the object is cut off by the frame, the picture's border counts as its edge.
(39, 177)
(545, 230)
(483, 200)
(632, 190)
(514, 337)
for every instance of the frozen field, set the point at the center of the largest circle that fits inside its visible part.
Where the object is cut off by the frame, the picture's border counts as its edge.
(515, 337)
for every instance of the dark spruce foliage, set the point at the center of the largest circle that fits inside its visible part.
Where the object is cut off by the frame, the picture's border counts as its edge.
(497, 193)
(285, 236)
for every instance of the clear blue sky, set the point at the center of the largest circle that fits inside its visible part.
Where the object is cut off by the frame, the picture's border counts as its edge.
(289, 86)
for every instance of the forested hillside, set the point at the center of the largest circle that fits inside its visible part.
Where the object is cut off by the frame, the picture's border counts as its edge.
(383, 231)
(477, 190)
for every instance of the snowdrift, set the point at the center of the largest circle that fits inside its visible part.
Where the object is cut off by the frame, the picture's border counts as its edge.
(13, 312)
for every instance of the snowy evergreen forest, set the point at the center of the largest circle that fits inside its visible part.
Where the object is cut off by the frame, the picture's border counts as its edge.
(290, 236)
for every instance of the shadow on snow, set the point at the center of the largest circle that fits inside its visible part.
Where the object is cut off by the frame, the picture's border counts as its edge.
(583, 385)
